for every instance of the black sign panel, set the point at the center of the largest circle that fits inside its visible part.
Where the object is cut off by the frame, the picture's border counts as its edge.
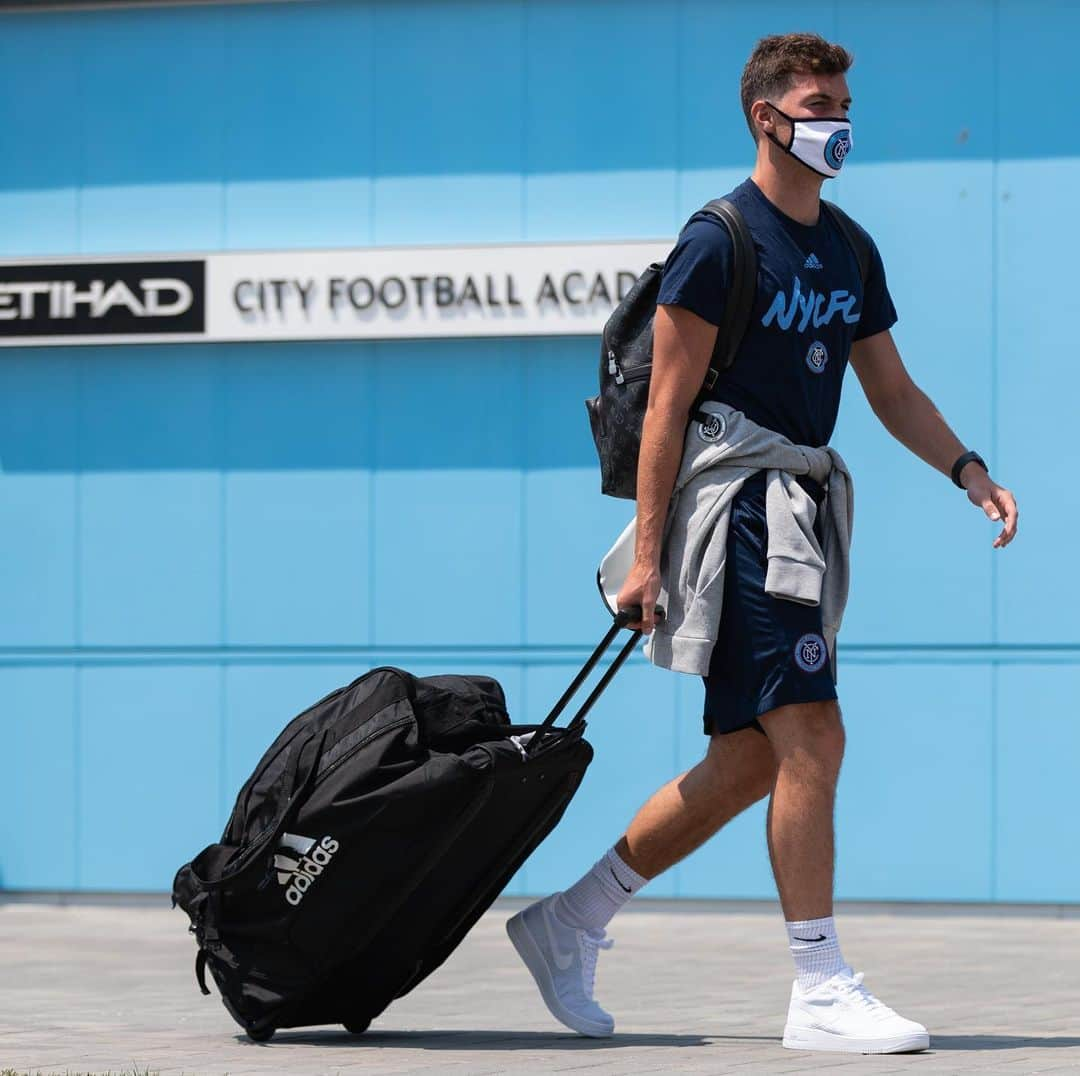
(103, 299)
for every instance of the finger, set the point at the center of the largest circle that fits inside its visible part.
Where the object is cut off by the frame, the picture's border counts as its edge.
(1012, 514)
(991, 509)
(1006, 504)
(626, 603)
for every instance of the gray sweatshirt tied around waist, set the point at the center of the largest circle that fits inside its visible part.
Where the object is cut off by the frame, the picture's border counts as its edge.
(718, 456)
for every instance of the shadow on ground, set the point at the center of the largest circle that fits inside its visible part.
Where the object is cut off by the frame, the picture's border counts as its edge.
(483, 1040)
(543, 1040)
(1001, 1042)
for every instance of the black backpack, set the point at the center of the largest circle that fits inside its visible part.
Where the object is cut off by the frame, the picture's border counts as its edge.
(617, 413)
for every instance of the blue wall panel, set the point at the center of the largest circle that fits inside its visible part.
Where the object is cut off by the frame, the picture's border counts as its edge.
(39, 201)
(462, 176)
(1038, 385)
(149, 777)
(1038, 800)
(306, 85)
(150, 435)
(1036, 376)
(152, 157)
(957, 67)
(38, 499)
(447, 493)
(915, 804)
(150, 559)
(297, 455)
(593, 161)
(39, 816)
(282, 517)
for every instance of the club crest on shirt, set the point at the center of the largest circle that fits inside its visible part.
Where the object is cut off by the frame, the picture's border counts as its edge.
(811, 653)
(817, 357)
(713, 430)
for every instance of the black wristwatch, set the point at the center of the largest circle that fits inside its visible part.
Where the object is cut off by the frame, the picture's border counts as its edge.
(962, 462)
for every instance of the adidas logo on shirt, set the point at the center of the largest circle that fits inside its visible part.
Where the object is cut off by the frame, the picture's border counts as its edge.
(813, 262)
(298, 873)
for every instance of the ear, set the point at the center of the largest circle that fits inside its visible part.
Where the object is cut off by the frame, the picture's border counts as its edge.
(764, 118)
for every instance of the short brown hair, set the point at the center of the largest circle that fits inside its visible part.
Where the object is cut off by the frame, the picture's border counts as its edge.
(777, 60)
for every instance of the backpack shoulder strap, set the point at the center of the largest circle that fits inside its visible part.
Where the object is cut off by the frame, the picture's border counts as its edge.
(740, 304)
(855, 236)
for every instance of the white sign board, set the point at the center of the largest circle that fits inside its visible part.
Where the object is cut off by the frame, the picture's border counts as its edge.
(378, 293)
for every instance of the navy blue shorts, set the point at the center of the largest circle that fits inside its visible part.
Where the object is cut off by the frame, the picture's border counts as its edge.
(769, 652)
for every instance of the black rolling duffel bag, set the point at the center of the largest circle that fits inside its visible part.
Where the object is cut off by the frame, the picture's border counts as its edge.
(375, 831)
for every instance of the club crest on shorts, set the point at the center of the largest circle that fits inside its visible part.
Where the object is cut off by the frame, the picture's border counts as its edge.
(713, 430)
(811, 653)
(817, 357)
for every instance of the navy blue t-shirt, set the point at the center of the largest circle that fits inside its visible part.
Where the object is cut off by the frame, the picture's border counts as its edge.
(810, 308)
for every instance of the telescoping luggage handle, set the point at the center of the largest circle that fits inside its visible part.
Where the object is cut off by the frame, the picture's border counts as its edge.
(622, 618)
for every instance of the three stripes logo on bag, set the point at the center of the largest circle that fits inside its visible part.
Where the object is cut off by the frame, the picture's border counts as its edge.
(299, 861)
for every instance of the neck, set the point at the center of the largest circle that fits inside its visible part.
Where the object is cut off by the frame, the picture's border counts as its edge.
(792, 187)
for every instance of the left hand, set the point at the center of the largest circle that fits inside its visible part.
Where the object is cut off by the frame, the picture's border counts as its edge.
(996, 501)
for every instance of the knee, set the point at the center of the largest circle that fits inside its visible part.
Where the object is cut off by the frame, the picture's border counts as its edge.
(747, 769)
(759, 779)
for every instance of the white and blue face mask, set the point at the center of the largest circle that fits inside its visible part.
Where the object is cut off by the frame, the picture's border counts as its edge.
(822, 144)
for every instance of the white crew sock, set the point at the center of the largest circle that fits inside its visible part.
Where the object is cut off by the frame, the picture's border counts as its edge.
(815, 949)
(590, 903)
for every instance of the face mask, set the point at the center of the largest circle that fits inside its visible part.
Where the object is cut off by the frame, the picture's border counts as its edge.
(821, 144)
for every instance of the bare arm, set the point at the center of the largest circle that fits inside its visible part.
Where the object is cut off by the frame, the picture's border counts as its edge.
(682, 346)
(911, 417)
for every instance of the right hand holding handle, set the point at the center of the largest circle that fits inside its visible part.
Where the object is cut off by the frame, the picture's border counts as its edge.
(631, 616)
(639, 594)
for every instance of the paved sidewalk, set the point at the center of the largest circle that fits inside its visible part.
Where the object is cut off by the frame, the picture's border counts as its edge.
(93, 989)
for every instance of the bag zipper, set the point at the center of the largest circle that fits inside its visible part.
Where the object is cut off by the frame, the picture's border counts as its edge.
(613, 367)
(639, 373)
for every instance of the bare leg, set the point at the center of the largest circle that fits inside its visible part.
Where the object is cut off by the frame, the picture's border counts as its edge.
(808, 743)
(737, 771)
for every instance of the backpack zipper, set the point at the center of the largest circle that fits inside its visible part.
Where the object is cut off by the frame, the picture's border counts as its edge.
(639, 373)
(613, 368)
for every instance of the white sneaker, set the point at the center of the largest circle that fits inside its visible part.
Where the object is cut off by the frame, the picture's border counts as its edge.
(842, 1015)
(562, 960)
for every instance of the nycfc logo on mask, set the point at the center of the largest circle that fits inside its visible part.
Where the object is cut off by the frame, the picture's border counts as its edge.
(713, 430)
(837, 149)
(817, 357)
(811, 653)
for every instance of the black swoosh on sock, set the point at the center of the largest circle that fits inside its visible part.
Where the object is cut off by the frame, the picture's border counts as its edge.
(624, 888)
(820, 937)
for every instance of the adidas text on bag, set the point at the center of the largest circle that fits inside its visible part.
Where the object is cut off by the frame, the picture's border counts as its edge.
(298, 874)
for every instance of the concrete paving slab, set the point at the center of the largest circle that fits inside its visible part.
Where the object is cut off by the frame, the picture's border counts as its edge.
(99, 988)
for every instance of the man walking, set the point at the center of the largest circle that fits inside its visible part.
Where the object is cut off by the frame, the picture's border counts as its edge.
(770, 709)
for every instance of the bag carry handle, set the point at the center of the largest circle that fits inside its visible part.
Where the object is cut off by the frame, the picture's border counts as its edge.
(621, 619)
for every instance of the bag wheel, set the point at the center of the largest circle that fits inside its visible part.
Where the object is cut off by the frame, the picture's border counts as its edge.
(263, 1034)
(357, 1027)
